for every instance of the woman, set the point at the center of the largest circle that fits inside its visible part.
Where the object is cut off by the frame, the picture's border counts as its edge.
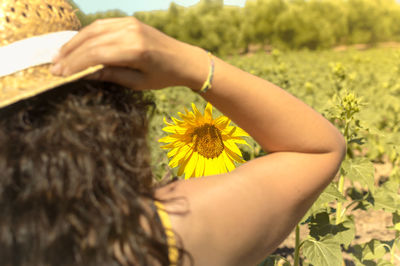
(89, 191)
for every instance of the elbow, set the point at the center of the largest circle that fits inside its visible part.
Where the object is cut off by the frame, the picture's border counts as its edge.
(339, 149)
(336, 143)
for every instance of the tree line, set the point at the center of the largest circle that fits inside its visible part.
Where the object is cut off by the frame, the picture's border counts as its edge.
(283, 24)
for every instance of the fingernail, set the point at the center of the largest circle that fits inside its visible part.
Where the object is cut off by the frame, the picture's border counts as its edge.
(56, 69)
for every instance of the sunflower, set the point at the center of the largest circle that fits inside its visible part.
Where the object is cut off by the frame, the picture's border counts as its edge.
(201, 145)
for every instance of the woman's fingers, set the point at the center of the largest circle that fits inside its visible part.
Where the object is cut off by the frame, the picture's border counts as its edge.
(126, 43)
(126, 77)
(90, 55)
(119, 47)
(99, 27)
(85, 34)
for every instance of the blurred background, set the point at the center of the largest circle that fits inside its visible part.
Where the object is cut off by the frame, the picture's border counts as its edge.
(239, 25)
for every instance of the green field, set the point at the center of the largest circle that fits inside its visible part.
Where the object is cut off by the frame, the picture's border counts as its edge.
(359, 91)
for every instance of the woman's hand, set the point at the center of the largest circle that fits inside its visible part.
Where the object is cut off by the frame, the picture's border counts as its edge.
(135, 55)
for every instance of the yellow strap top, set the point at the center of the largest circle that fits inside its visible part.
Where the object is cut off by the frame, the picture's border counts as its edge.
(173, 253)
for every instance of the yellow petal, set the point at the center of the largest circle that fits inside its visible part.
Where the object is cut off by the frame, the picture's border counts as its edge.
(179, 157)
(208, 113)
(222, 122)
(172, 152)
(240, 133)
(176, 121)
(232, 146)
(234, 156)
(175, 161)
(228, 162)
(217, 166)
(222, 164)
(169, 146)
(199, 171)
(196, 112)
(184, 162)
(211, 168)
(168, 139)
(191, 165)
(175, 129)
(178, 150)
(186, 117)
(207, 167)
(240, 141)
(166, 122)
(187, 111)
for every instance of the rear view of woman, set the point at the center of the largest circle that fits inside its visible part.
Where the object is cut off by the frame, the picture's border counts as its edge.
(76, 184)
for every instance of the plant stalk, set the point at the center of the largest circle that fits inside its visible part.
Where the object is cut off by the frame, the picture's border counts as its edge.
(297, 247)
(393, 251)
(340, 205)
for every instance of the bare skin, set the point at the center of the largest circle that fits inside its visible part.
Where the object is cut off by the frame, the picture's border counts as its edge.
(240, 217)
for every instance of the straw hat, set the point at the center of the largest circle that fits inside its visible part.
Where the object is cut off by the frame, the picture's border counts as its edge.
(20, 20)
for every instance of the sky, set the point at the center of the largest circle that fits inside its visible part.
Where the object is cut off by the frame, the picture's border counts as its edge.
(131, 6)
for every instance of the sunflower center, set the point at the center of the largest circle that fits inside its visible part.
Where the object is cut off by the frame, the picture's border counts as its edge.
(208, 141)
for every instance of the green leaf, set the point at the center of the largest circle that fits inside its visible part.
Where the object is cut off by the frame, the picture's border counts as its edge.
(323, 253)
(330, 194)
(396, 221)
(370, 254)
(364, 199)
(384, 263)
(320, 227)
(274, 260)
(374, 250)
(356, 253)
(360, 170)
(387, 198)
(345, 237)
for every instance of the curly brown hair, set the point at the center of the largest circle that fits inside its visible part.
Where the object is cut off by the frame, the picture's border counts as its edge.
(75, 175)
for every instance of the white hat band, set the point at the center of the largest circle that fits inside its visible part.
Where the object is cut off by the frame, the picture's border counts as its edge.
(32, 51)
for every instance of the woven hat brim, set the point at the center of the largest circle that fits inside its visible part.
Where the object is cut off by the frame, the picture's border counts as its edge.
(33, 81)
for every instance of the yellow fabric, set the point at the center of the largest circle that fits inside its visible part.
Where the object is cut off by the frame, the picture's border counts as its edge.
(171, 240)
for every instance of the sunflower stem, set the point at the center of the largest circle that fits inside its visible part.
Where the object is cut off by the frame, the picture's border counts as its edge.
(340, 205)
(297, 247)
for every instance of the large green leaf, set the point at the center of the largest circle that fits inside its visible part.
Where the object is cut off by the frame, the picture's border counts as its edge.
(360, 170)
(345, 237)
(387, 197)
(371, 253)
(374, 250)
(323, 253)
(320, 227)
(384, 263)
(330, 194)
(356, 254)
(363, 198)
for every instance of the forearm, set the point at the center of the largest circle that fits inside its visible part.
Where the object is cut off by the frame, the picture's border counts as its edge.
(275, 119)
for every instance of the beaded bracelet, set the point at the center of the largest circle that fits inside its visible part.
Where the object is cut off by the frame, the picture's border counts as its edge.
(208, 83)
